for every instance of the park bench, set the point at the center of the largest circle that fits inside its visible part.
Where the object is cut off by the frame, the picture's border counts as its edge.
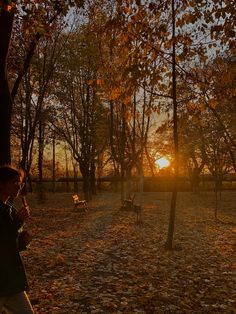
(128, 205)
(78, 203)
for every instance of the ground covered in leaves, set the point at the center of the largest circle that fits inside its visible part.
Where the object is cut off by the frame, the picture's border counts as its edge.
(102, 261)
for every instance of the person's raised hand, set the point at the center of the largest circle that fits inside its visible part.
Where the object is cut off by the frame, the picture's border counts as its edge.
(24, 240)
(23, 213)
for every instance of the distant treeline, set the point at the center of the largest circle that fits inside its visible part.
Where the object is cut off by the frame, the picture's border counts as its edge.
(210, 178)
(150, 184)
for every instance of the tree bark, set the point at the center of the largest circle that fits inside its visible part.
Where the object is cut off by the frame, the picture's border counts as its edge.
(67, 172)
(92, 174)
(122, 155)
(6, 23)
(53, 164)
(41, 194)
(26, 65)
(169, 241)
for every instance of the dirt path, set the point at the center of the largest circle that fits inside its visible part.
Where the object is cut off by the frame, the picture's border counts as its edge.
(101, 261)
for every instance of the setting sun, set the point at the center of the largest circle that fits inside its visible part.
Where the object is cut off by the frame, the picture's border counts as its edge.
(163, 162)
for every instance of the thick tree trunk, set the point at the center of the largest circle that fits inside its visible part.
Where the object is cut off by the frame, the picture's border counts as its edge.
(84, 169)
(76, 185)
(86, 186)
(6, 22)
(5, 123)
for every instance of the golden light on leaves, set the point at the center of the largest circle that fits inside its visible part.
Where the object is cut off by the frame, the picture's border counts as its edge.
(100, 82)
(213, 103)
(162, 162)
(5, 7)
(115, 93)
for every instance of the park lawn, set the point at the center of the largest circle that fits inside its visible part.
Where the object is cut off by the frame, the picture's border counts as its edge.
(102, 261)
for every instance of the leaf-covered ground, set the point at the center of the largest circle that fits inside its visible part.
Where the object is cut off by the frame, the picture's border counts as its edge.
(102, 261)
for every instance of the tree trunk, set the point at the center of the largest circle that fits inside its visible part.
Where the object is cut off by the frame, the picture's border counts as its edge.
(141, 183)
(26, 65)
(169, 241)
(86, 186)
(53, 165)
(128, 189)
(216, 198)
(194, 177)
(6, 22)
(29, 163)
(84, 169)
(93, 172)
(93, 179)
(76, 185)
(122, 156)
(41, 195)
(100, 169)
(67, 173)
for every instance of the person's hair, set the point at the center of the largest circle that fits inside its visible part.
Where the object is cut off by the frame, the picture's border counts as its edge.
(8, 173)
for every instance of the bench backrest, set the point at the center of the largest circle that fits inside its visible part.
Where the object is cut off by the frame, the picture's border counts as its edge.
(76, 198)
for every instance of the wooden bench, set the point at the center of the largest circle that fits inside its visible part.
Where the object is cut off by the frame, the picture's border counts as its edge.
(128, 204)
(79, 203)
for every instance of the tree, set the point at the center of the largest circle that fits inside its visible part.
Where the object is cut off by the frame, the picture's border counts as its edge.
(79, 107)
(6, 24)
(33, 102)
(43, 15)
(212, 97)
(167, 49)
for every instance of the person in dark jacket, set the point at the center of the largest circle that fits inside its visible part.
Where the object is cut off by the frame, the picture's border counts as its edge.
(13, 281)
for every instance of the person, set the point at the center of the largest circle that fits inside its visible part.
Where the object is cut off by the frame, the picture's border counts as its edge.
(13, 239)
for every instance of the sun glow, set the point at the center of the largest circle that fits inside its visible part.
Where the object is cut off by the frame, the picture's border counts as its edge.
(162, 162)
